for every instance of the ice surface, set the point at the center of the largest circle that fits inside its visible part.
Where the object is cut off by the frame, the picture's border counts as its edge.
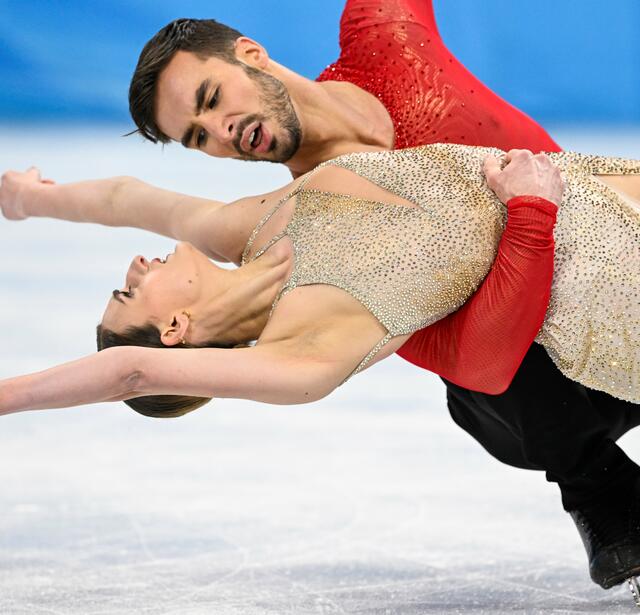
(369, 502)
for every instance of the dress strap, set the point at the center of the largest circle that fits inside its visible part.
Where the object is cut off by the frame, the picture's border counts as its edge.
(301, 184)
(260, 224)
(269, 243)
(372, 353)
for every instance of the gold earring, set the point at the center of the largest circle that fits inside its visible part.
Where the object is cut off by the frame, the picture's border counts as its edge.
(182, 341)
(187, 313)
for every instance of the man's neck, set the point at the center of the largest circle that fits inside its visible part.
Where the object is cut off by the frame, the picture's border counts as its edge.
(336, 118)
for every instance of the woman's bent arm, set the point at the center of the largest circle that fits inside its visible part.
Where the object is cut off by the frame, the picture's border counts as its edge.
(118, 201)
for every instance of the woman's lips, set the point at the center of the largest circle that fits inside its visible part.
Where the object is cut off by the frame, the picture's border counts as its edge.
(162, 261)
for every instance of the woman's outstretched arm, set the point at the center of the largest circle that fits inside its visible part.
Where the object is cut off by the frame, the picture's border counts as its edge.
(104, 376)
(120, 201)
(264, 373)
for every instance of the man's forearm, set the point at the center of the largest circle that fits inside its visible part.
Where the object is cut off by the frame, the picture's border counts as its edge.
(118, 201)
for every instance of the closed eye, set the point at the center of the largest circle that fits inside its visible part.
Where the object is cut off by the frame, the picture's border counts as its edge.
(117, 294)
(201, 138)
(214, 99)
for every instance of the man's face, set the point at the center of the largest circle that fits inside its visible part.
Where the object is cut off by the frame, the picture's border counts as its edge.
(226, 110)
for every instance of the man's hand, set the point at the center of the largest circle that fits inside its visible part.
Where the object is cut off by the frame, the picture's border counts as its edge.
(524, 174)
(15, 189)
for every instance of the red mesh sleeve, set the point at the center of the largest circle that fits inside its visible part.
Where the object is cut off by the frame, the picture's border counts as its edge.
(481, 346)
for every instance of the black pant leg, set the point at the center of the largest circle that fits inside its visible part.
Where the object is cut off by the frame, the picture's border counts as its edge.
(546, 421)
(620, 415)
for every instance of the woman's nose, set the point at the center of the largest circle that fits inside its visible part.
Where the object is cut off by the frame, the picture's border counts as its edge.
(139, 266)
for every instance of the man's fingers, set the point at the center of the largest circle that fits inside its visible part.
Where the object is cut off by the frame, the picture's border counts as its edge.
(491, 167)
(514, 154)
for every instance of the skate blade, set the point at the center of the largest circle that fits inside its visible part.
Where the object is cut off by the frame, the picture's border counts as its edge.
(634, 586)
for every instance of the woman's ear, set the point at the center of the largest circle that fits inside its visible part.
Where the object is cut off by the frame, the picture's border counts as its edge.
(176, 332)
(251, 53)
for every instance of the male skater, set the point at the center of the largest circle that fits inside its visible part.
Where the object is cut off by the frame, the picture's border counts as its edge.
(396, 85)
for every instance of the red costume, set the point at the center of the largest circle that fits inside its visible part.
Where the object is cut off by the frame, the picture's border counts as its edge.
(392, 49)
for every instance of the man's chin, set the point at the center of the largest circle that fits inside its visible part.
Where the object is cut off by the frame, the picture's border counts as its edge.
(255, 158)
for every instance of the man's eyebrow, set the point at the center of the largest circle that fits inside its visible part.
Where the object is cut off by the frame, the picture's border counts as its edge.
(116, 295)
(201, 93)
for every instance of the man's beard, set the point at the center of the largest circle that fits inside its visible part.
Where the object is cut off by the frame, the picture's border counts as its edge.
(278, 107)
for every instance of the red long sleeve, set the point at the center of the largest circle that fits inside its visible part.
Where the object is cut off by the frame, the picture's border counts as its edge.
(481, 346)
(392, 49)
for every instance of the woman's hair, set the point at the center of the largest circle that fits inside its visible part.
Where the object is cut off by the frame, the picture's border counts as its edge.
(157, 406)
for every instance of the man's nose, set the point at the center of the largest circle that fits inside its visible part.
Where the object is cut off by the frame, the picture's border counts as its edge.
(222, 129)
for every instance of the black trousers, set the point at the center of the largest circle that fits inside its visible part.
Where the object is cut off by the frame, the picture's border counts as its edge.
(544, 421)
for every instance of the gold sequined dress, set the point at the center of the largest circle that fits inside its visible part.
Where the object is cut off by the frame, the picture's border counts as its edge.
(410, 266)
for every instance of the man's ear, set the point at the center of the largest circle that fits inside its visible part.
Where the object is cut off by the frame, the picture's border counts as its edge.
(251, 53)
(176, 332)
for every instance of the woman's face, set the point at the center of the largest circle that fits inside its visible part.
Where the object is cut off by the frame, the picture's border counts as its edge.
(154, 291)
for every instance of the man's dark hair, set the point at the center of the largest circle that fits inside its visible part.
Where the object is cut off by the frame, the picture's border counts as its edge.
(157, 406)
(205, 38)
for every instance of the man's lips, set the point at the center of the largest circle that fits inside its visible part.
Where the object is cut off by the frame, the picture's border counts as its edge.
(255, 139)
(265, 141)
(250, 134)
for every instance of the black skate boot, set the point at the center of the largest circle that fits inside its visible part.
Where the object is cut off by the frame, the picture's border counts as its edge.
(610, 530)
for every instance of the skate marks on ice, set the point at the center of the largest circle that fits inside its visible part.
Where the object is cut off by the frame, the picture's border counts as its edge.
(277, 512)
(369, 502)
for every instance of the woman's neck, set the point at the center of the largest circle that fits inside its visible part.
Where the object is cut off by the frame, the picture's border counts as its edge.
(238, 306)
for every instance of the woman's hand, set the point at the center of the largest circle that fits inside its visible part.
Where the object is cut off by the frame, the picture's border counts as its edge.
(109, 375)
(524, 174)
(16, 189)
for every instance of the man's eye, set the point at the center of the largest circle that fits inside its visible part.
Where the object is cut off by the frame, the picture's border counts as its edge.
(128, 293)
(214, 99)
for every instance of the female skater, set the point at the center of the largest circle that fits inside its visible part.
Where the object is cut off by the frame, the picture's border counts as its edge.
(332, 281)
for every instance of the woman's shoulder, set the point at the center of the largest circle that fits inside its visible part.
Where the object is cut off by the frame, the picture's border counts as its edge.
(241, 219)
(324, 323)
